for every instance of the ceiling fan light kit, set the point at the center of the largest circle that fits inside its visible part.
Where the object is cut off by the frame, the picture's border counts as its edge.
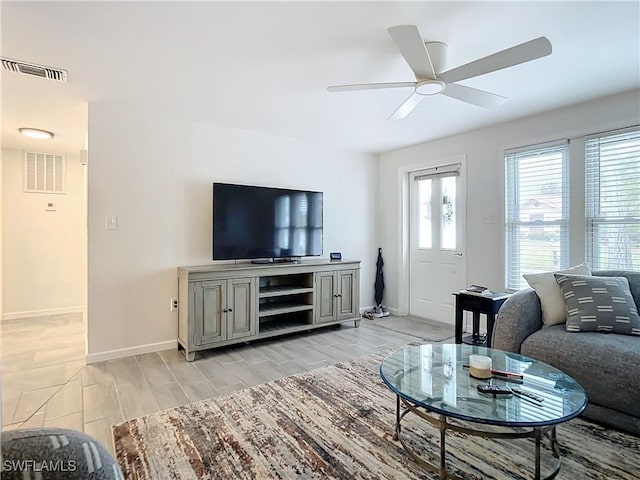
(427, 60)
(430, 87)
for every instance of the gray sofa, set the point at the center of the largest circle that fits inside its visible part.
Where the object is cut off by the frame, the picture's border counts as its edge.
(55, 454)
(607, 365)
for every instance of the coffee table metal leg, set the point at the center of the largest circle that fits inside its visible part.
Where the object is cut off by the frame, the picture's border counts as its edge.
(397, 432)
(443, 449)
(441, 422)
(555, 449)
(538, 434)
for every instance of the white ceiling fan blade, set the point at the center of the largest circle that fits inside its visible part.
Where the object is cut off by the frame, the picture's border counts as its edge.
(525, 52)
(473, 95)
(411, 44)
(407, 106)
(369, 86)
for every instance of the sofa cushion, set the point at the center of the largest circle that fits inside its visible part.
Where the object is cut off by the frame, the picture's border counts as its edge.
(599, 304)
(606, 366)
(551, 302)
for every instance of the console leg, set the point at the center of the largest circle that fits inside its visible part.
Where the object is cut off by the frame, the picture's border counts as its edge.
(357, 323)
(190, 356)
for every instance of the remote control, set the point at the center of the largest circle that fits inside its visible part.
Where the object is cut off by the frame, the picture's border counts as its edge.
(495, 389)
(530, 395)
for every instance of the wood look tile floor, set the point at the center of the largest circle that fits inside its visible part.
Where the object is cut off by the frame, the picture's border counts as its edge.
(46, 383)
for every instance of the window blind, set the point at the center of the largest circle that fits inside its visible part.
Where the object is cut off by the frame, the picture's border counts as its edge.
(438, 172)
(536, 211)
(612, 196)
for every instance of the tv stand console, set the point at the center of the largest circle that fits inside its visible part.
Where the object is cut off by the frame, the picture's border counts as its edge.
(225, 304)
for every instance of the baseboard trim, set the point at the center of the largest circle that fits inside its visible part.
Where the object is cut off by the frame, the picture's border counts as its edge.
(130, 351)
(42, 313)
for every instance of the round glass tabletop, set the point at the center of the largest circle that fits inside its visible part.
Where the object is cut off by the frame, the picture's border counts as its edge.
(436, 377)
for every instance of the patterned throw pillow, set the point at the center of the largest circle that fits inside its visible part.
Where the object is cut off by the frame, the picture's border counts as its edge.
(599, 304)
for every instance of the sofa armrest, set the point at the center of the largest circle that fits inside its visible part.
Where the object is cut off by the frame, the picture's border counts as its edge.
(518, 317)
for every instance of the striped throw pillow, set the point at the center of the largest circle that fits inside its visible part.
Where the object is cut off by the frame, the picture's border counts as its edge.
(599, 304)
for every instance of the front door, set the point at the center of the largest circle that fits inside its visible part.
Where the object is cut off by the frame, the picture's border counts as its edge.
(436, 263)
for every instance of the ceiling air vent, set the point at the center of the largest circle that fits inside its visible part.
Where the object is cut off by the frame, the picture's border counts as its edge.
(51, 73)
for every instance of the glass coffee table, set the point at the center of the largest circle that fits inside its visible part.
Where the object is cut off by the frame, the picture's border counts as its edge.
(433, 382)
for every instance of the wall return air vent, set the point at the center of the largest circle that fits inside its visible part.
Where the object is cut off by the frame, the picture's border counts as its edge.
(42, 71)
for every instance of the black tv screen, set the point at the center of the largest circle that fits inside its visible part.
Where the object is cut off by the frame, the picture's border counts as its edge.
(252, 222)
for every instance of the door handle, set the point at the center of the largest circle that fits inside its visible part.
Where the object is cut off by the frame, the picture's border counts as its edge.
(458, 254)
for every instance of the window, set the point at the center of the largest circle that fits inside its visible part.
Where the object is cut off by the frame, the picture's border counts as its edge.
(612, 196)
(424, 213)
(536, 211)
(437, 186)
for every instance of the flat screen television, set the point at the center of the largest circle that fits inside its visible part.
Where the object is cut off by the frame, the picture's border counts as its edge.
(251, 222)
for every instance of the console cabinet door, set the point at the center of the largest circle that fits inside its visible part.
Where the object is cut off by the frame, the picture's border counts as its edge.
(326, 299)
(348, 302)
(210, 297)
(241, 315)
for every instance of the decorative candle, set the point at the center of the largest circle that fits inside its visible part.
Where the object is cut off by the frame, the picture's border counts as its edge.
(480, 366)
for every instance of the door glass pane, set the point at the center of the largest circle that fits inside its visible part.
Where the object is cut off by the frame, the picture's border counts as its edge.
(448, 230)
(424, 213)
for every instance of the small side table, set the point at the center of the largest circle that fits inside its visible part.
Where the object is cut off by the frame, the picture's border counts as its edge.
(487, 304)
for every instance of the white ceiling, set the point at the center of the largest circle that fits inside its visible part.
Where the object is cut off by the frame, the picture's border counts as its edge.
(265, 66)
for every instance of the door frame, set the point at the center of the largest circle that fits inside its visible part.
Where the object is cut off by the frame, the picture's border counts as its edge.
(404, 222)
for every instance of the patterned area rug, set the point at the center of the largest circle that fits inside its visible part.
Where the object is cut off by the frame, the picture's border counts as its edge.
(337, 423)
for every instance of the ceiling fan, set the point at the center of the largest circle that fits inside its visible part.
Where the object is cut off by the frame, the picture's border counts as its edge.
(427, 60)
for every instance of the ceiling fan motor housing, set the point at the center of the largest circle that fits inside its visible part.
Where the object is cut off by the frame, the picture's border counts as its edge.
(438, 54)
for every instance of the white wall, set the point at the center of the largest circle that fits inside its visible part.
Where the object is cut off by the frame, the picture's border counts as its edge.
(155, 174)
(484, 150)
(44, 252)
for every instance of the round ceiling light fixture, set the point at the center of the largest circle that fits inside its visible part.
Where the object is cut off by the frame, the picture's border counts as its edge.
(430, 87)
(35, 133)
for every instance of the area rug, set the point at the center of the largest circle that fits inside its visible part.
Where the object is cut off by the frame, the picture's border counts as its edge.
(418, 327)
(337, 423)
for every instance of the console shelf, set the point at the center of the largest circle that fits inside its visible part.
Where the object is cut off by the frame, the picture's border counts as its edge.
(225, 304)
(278, 324)
(281, 290)
(275, 308)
